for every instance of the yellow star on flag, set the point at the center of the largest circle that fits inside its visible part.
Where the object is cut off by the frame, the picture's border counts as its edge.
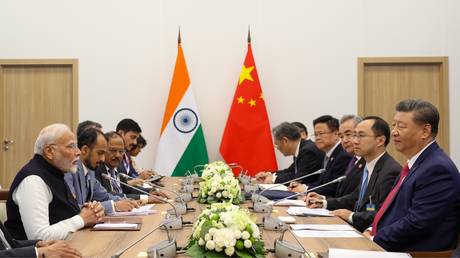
(261, 96)
(246, 74)
(240, 100)
(252, 102)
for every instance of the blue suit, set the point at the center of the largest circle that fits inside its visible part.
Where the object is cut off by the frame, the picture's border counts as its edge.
(425, 213)
(88, 188)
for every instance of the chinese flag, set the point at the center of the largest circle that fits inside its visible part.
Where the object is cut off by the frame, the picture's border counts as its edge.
(247, 138)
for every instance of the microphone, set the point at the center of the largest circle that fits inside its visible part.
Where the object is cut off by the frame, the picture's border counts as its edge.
(172, 223)
(265, 207)
(257, 197)
(165, 248)
(286, 249)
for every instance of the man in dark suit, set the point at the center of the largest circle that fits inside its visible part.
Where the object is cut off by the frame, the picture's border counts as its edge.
(371, 137)
(10, 247)
(421, 213)
(306, 157)
(356, 165)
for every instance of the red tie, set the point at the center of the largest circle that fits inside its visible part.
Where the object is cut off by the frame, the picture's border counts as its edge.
(389, 199)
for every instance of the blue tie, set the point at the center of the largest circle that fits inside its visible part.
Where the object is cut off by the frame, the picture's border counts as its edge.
(363, 188)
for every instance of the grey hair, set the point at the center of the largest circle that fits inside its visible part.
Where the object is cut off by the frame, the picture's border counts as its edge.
(48, 135)
(287, 130)
(356, 119)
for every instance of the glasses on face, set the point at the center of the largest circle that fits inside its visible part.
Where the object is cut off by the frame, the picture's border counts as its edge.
(361, 136)
(320, 134)
(70, 146)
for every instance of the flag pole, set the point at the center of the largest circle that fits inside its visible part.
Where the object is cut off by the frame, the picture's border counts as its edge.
(249, 34)
(179, 40)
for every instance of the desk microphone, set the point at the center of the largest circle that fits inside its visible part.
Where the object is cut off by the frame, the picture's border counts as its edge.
(166, 248)
(171, 223)
(286, 249)
(260, 198)
(266, 207)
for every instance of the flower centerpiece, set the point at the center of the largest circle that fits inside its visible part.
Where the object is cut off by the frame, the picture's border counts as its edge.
(225, 230)
(216, 168)
(220, 189)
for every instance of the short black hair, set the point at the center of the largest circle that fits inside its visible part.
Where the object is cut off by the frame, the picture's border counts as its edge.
(141, 141)
(128, 125)
(112, 134)
(424, 112)
(287, 130)
(88, 137)
(301, 126)
(380, 127)
(331, 122)
(86, 124)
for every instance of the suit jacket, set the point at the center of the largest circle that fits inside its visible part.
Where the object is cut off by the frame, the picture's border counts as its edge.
(19, 248)
(309, 160)
(385, 172)
(95, 191)
(425, 213)
(338, 162)
(353, 179)
(108, 186)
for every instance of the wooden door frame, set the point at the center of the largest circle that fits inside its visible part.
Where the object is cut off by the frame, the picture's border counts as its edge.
(442, 61)
(48, 62)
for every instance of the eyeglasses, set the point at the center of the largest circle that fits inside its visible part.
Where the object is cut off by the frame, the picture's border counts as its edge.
(360, 136)
(321, 134)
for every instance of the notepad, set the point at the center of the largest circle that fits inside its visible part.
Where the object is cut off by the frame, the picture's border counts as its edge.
(327, 233)
(280, 187)
(291, 203)
(141, 211)
(116, 225)
(304, 211)
(345, 253)
(119, 224)
(324, 227)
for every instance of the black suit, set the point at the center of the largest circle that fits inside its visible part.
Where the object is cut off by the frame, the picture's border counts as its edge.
(308, 160)
(108, 186)
(336, 166)
(382, 179)
(19, 248)
(353, 179)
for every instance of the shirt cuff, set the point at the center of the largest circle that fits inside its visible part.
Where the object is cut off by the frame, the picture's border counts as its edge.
(77, 223)
(350, 218)
(36, 252)
(324, 204)
(274, 177)
(144, 198)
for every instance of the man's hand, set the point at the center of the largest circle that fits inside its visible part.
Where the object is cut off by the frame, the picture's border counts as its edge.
(43, 243)
(92, 213)
(264, 178)
(57, 249)
(367, 234)
(342, 213)
(146, 174)
(297, 187)
(136, 182)
(124, 205)
(159, 194)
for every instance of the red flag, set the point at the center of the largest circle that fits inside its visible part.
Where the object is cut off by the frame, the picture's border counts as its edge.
(247, 138)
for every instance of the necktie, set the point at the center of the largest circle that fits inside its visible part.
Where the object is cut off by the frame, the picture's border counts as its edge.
(4, 241)
(115, 187)
(350, 165)
(362, 190)
(326, 160)
(295, 165)
(389, 199)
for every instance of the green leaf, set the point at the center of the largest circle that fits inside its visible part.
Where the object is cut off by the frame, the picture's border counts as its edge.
(205, 228)
(243, 254)
(258, 246)
(214, 254)
(195, 251)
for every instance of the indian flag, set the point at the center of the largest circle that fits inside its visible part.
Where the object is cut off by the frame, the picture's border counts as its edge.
(182, 145)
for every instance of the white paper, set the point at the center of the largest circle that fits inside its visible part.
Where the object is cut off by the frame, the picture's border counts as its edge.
(141, 211)
(115, 225)
(327, 227)
(280, 187)
(293, 210)
(326, 233)
(345, 253)
(291, 203)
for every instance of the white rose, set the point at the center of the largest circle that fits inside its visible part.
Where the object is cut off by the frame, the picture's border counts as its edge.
(212, 231)
(218, 195)
(201, 242)
(245, 235)
(247, 243)
(207, 237)
(237, 234)
(219, 248)
(225, 194)
(210, 245)
(210, 193)
(229, 250)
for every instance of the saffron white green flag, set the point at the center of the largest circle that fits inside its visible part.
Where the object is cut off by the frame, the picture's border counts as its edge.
(182, 145)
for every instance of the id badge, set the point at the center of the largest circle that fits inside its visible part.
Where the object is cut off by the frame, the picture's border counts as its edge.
(370, 207)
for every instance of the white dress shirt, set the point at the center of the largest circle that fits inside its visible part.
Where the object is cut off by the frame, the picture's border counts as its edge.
(33, 197)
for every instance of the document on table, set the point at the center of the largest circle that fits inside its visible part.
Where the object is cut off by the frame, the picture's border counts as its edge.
(345, 253)
(141, 211)
(327, 233)
(280, 187)
(116, 225)
(304, 211)
(291, 203)
(324, 227)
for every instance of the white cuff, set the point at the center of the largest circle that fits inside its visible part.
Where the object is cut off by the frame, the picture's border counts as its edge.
(324, 204)
(144, 198)
(350, 218)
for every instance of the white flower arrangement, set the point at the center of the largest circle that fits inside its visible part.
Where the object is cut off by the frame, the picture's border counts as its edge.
(216, 168)
(220, 188)
(225, 229)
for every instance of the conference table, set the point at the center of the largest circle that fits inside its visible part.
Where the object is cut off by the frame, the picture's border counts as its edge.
(107, 243)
